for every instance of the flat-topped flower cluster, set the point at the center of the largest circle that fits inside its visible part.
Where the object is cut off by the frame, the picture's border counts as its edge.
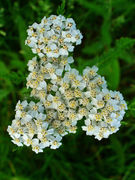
(54, 36)
(64, 96)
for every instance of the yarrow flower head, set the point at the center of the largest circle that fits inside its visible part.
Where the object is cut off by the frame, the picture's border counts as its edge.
(62, 95)
(54, 36)
(106, 108)
(30, 127)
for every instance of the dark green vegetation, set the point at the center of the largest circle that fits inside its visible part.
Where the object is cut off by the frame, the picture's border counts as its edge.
(108, 27)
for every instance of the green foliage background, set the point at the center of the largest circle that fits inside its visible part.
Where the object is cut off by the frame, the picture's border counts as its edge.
(109, 42)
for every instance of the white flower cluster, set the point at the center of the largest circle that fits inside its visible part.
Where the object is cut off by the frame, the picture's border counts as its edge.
(54, 36)
(64, 96)
(106, 108)
(59, 94)
(31, 128)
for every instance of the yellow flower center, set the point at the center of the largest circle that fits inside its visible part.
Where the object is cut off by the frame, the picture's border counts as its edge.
(68, 35)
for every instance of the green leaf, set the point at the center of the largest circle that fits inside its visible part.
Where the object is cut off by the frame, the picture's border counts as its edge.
(61, 8)
(113, 53)
(3, 93)
(124, 43)
(127, 56)
(3, 69)
(112, 74)
(93, 48)
(131, 107)
(25, 50)
(93, 6)
(119, 152)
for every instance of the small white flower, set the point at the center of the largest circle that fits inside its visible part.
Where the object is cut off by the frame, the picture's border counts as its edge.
(32, 64)
(27, 140)
(17, 141)
(55, 143)
(13, 132)
(36, 147)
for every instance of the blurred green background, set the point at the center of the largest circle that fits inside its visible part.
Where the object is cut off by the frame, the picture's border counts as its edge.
(108, 27)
